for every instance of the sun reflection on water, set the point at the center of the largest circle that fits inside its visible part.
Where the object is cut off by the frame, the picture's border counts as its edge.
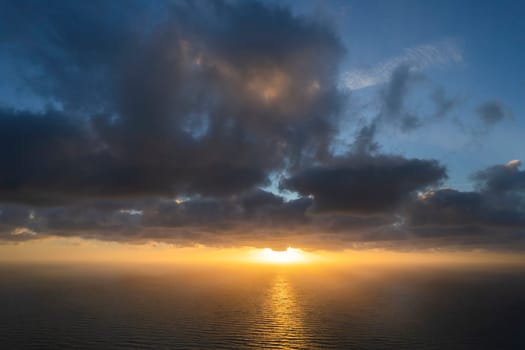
(284, 316)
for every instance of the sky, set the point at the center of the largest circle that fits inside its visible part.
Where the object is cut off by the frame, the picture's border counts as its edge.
(329, 125)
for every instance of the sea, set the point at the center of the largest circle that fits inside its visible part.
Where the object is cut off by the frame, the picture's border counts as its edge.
(72, 306)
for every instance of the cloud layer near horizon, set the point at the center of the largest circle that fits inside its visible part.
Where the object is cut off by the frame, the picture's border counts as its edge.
(165, 122)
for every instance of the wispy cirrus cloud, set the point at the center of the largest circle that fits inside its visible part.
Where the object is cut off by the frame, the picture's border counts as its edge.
(417, 58)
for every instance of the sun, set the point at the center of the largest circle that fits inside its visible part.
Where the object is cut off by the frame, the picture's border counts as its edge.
(288, 256)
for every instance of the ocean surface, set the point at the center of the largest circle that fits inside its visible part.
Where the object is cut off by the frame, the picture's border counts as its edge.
(159, 307)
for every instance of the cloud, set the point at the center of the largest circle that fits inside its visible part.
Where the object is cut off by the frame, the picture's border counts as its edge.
(448, 207)
(443, 103)
(492, 216)
(365, 184)
(418, 58)
(492, 112)
(162, 121)
(500, 179)
(207, 100)
(393, 109)
(408, 213)
(393, 97)
(364, 142)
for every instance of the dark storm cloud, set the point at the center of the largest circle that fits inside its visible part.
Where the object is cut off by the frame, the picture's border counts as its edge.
(207, 99)
(365, 184)
(492, 112)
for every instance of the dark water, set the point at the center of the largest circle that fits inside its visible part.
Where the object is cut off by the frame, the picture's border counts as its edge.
(52, 307)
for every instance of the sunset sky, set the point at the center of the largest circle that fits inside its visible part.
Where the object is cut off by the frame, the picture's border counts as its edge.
(174, 130)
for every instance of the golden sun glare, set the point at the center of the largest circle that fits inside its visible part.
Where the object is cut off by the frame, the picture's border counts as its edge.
(288, 256)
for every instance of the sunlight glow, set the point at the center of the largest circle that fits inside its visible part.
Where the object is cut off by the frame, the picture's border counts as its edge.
(288, 256)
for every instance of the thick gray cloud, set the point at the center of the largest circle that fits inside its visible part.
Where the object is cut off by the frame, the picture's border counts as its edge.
(207, 100)
(447, 207)
(257, 218)
(490, 217)
(141, 121)
(501, 179)
(493, 215)
(365, 184)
